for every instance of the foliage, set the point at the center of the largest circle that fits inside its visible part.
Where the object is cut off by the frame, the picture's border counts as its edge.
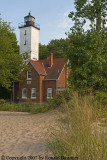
(5, 93)
(93, 10)
(87, 51)
(32, 108)
(57, 47)
(87, 54)
(14, 107)
(40, 108)
(43, 51)
(2, 101)
(61, 98)
(12, 65)
(102, 97)
(77, 132)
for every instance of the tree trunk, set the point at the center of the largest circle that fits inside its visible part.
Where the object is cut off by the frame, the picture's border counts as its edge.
(98, 15)
(98, 21)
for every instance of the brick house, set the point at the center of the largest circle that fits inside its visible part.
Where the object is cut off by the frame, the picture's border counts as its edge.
(44, 79)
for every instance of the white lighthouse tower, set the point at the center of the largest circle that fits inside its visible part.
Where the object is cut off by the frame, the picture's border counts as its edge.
(29, 37)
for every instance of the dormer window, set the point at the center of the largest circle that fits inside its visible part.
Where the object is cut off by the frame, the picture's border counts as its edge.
(29, 75)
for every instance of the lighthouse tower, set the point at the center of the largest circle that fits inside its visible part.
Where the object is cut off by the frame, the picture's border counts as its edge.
(29, 37)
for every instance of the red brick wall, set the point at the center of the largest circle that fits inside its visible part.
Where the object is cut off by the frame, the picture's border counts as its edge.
(36, 82)
(41, 88)
(48, 84)
(62, 79)
(15, 90)
(40, 84)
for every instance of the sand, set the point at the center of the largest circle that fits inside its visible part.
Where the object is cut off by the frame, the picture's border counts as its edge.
(23, 134)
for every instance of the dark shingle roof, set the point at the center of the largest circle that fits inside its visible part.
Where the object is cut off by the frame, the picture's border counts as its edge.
(42, 66)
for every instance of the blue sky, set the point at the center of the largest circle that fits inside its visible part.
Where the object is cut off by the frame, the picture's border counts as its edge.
(52, 15)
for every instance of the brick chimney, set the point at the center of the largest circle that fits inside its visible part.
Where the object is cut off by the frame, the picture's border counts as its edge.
(50, 59)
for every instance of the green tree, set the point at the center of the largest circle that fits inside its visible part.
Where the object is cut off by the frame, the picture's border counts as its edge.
(87, 51)
(12, 64)
(57, 47)
(5, 93)
(43, 51)
(93, 10)
(87, 54)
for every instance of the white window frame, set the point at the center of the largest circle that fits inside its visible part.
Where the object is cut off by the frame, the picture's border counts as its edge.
(28, 75)
(32, 93)
(24, 97)
(48, 96)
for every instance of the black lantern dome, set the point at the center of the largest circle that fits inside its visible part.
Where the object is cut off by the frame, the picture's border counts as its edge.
(29, 20)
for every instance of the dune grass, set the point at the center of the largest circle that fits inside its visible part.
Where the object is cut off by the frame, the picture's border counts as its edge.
(78, 132)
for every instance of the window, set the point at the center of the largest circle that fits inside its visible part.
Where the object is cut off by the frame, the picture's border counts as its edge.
(33, 93)
(25, 32)
(25, 42)
(24, 93)
(49, 92)
(29, 75)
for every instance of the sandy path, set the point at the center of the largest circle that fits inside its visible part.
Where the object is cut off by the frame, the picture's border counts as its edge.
(22, 134)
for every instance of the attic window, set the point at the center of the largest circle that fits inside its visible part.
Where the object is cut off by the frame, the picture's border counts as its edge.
(29, 75)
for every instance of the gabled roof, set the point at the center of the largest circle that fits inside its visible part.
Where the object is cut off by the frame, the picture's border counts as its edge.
(42, 66)
(38, 66)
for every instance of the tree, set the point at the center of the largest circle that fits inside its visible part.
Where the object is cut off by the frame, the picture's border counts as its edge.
(12, 64)
(5, 93)
(87, 51)
(87, 54)
(93, 10)
(43, 51)
(57, 47)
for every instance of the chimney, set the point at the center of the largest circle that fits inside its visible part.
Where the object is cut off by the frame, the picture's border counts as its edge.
(50, 59)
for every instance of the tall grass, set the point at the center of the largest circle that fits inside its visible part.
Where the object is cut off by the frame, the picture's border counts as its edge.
(78, 132)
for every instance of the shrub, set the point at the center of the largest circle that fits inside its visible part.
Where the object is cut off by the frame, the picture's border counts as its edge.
(60, 98)
(39, 108)
(14, 107)
(32, 108)
(2, 101)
